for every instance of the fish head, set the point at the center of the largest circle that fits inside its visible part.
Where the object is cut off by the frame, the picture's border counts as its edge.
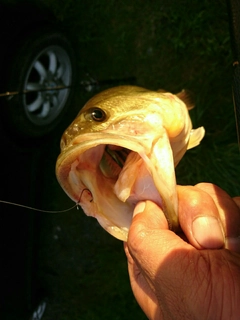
(122, 148)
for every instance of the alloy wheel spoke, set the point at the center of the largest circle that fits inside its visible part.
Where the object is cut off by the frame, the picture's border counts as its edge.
(60, 71)
(40, 69)
(52, 62)
(54, 100)
(35, 105)
(45, 109)
(33, 86)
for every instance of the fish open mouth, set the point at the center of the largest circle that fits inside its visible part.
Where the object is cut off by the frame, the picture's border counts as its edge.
(113, 160)
(109, 176)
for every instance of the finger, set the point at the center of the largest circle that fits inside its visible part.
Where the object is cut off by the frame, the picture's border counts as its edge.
(229, 214)
(199, 218)
(159, 253)
(149, 237)
(141, 290)
(148, 221)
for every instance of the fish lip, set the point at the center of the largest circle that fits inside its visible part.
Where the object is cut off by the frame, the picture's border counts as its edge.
(93, 140)
(85, 142)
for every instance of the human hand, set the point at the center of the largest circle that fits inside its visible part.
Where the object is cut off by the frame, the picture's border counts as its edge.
(170, 276)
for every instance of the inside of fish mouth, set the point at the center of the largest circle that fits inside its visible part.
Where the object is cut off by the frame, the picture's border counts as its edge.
(113, 160)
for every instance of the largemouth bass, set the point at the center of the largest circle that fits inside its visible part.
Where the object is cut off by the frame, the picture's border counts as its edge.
(123, 147)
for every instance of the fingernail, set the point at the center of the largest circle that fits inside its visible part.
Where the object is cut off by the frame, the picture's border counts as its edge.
(208, 232)
(233, 244)
(139, 208)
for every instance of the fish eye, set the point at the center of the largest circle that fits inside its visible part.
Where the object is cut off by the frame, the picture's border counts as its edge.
(97, 114)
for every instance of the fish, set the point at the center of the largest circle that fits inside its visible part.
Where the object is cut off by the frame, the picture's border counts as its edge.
(123, 148)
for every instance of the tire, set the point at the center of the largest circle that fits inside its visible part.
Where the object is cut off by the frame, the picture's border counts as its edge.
(43, 61)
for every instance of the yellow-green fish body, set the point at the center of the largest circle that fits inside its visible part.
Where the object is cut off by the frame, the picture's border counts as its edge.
(122, 148)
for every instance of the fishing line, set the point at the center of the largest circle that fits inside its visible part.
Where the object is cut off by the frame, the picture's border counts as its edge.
(76, 205)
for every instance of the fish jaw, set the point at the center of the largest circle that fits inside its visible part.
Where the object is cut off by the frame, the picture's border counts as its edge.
(147, 174)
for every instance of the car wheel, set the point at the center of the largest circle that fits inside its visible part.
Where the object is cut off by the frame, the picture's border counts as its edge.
(42, 73)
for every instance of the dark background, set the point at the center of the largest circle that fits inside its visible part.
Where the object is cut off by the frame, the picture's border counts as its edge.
(66, 258)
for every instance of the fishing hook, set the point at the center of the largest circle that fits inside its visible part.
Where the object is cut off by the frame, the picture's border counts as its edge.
(89, 193)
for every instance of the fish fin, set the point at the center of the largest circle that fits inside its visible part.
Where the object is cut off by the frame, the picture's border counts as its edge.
(187, 97)
(196, 135)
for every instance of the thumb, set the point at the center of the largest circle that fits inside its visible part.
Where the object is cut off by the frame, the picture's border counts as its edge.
(160, 263)
(149, 240)
(150, 215)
